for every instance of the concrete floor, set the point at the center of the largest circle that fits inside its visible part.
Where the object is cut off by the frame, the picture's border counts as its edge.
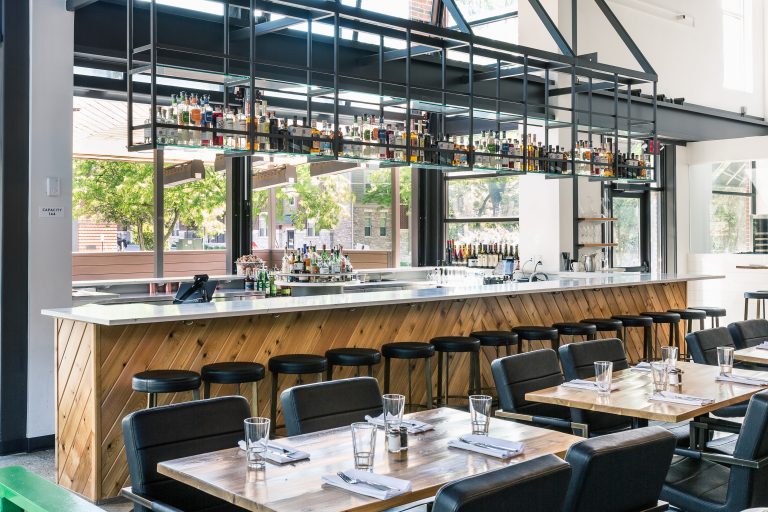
(43, 463)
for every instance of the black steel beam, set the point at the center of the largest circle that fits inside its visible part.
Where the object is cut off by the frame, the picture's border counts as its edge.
(268, 27)
(458, 17)
(601, 86)
(73, 5)
(551, 27)
(494, 19)
(624, 35)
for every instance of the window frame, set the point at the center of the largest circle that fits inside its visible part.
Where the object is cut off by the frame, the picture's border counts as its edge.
(752, 195)
(461, 220)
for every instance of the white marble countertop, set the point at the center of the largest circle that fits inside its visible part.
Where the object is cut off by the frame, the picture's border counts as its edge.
(123, 314)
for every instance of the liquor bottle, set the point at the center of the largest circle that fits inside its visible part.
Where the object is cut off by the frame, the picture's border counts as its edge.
(262, 126)
(609, 160)
(306, 133)
(382, 138)
(413, 138)
(241, 122)
(218, 124)
(184, 118)
(315, 147)
(516, 257)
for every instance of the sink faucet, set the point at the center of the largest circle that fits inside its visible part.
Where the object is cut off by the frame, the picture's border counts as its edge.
(544, 277)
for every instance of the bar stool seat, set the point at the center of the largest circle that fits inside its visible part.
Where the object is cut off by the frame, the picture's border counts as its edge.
(760, 297)
(445, 345)
(296, 364)
(606, 325)
(662, 317)
(153, 382)
(352, 356)
(232, 372)
(690, 314)
(575, 329)
(409, 350)
(644, 322)
(536, 333)
(712, 312)
(495, 338)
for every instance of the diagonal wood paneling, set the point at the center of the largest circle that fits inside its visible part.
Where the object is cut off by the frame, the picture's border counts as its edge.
(95, 363)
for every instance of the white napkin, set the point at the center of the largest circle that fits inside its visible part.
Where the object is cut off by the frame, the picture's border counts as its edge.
(679, 398)
(763, 345)
(413, 426)
(280, 454)
(645, 366)
(586, 384)
(499, 448)
(397, 486)
(741, 379)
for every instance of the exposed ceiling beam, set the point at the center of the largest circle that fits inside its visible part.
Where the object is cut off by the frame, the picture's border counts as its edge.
(551, 27)
(624, 35)
(266, 28)
(461, 23)
(601, 86)
(494, 19)
(415, 50)
(73, 5)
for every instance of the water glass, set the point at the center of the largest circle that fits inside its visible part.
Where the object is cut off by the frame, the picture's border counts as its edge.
(669, 356)
(659, 376)
(394, 406)
(364, 444)
(603, 376)
(725, 360)
(256, 441)
(480, 413)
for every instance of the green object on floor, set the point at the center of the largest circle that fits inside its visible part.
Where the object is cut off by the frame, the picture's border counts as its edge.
(21, 490)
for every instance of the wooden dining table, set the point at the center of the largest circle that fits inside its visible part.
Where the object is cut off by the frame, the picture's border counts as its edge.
(631, 399)
(752, 355)
(428, 465)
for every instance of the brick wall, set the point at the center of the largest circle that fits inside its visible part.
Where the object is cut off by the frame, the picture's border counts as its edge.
(421, 10)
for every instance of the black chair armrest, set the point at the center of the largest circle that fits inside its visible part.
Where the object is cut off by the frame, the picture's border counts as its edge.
(155, 506)
(720, 458)
(580, 429)
(721, 425)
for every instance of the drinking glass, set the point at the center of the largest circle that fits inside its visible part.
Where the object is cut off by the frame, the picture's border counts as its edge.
(393, 417)
(725, 360)
(669, 356)
(256, 441)
(659, 376)
(480, 413)
(603, 376)
(364, 444)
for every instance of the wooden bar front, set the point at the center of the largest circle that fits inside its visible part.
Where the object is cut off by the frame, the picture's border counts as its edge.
(95, 363)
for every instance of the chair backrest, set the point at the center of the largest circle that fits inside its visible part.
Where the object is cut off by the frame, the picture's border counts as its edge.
(578, 360)
(537, 485)
(518, 374)
(180, 430)
(749, 487)
(749, 333)
(622, 472)
(323, 405)
(702, 345)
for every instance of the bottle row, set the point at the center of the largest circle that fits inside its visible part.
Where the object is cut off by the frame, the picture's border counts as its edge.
(191, 120)
(479, 255)
(312, 260)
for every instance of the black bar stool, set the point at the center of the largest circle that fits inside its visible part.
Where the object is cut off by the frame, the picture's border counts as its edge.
(496, 339)
(760, 305)
(611, 325)
(446, 345)
(352, 356)
(573, 329)
(536, 333)
(292, 364)
(409, 350)
(234, 372)
(646, 322)
(662, 317)
(714, 313)
(688, 316)
(153, 382)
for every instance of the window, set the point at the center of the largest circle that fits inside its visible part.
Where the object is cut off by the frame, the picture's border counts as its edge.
(368, 224)
(310, 224)
(482, 210)
(738, 67)
(733, 203)
(383, 224)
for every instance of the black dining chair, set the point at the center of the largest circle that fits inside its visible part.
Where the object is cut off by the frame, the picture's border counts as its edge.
(536, 485)
(323, 405)
(621, 472)
(713, 482)
(518, 374)
(579, 363)
(175, 431)
(748, 333)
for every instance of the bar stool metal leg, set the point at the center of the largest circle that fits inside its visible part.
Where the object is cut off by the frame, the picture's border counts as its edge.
(428, 380)
(440, 377)
(410, 387)
(329, 372)
(386, 375)
(206, 389)
(196, 394)
(255, 398)
(447, 378)
(370, 370)
(273, 404)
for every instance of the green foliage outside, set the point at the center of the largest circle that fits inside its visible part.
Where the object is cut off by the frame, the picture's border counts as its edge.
(320, 200)
(121, 193)
(380, 191)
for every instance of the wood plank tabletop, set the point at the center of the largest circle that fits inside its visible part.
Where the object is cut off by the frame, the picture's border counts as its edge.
(631, 399)
(429, 464)
(752, 355)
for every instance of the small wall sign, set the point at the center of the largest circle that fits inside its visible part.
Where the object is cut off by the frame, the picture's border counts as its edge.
(51, 211)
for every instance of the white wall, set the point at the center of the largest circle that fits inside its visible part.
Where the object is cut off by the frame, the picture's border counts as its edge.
(50, 155)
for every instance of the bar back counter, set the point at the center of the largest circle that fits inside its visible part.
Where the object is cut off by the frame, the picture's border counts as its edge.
(100, 347)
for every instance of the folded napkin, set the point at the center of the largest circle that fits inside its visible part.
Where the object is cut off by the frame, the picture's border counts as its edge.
(396, 485)
(741, 379)
(413, 426)
(763, 345)
(586, 384)
(499, 448)
(645, 366)
(280, 454)
(679, 398)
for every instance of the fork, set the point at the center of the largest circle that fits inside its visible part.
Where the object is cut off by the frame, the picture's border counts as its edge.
(350, 480)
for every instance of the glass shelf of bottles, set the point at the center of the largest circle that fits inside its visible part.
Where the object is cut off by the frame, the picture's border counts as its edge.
(311, 264)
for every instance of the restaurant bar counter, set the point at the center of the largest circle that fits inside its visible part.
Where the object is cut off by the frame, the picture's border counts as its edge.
(100, 347)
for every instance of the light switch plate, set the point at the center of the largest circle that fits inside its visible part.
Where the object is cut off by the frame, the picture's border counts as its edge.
(52, 186)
